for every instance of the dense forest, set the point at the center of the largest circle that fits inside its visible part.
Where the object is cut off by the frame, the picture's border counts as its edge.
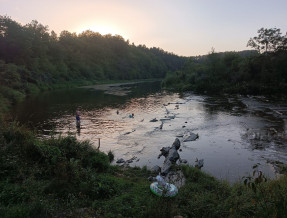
(32, 58)
(259, 71)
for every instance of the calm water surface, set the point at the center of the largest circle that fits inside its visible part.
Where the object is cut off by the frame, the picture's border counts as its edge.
(235, 132)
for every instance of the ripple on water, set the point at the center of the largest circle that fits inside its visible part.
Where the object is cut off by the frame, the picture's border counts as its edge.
(227, 128)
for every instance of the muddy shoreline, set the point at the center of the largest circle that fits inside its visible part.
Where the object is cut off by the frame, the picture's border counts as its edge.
(118, 89)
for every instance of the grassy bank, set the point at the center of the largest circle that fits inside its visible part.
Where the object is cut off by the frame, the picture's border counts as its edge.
(61, 177)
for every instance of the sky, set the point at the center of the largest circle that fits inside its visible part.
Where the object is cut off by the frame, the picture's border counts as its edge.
(183, 27)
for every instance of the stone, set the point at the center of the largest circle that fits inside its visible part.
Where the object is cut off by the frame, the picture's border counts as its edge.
(171, 156)
(171, 117)
(190, 137)
(120, 161)
(151, 178)
(155, 169)
(199, 163)
(153, 120)
(183, 161)
(177, 178)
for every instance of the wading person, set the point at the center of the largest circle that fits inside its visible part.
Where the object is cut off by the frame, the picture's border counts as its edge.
(78, 119)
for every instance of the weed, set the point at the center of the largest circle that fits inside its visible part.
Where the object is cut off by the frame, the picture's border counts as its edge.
(111, 156)
(61, 177)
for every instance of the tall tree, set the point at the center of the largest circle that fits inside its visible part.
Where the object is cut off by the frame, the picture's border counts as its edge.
(268, 40)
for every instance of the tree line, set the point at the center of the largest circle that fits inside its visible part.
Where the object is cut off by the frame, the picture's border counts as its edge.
(259, 71)
(32, 58)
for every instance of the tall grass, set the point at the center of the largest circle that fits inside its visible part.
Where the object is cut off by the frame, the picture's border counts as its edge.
(61, 177)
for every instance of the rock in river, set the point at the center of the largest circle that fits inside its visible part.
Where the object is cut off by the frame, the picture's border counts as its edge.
(155, 169)
(171, 156)
(190, 136)
(121, 161)
(153, 120)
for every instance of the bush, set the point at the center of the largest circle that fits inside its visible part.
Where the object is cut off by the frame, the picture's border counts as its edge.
(13, 95)
(32, 88)
(111, 156)
(97, 160)
(61, 176)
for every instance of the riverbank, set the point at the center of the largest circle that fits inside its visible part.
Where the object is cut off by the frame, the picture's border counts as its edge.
(12, 96)
(114, 88)
(61, 177)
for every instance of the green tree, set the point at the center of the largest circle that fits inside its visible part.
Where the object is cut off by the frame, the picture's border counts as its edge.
(268, 40)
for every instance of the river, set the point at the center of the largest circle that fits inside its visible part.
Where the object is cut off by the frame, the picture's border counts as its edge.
(235, 132)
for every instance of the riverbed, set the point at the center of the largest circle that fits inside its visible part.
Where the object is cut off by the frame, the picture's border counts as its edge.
(235, 132)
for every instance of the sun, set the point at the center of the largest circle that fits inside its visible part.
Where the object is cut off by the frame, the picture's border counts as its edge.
(101, 28)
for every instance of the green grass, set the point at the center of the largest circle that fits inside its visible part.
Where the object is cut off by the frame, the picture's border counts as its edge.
(61, 177)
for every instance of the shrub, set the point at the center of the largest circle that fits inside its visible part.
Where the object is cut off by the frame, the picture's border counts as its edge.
(12, 94)
(111, 156)
(97, 160)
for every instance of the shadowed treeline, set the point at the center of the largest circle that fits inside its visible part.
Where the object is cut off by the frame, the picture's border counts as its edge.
(249, 72)
(32, 58)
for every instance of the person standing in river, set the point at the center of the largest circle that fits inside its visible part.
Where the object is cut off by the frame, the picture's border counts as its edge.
(78, 119)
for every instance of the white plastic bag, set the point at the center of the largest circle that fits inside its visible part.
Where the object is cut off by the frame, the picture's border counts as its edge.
(161, 181)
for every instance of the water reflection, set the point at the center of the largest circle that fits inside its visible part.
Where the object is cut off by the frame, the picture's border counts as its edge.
(235, 132)
(78, 130)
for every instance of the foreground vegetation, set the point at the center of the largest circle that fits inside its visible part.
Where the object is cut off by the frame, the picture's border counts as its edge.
(260, 71)
(61, 177)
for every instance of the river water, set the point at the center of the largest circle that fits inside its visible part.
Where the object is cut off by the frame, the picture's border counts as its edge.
(235, 132)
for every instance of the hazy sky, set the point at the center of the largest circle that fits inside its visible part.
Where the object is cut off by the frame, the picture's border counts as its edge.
(184, 27)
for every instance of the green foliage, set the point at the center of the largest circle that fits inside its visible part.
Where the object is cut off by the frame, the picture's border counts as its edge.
(254, 181)
(268, 40)
(33, 59)
(64, 177)
(88, 55)
(244, 72)
(233, 73)
(111, 156)
(32, 88)
(12, 94)
(4, 105)
(264, 199)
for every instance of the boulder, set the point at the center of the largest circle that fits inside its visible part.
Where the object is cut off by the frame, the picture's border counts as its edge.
(199, 163)
(175, 177)
(171, 156)
(182, 161)
(120, 161)
(161, 125)
(190, 136)
(155, 169)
